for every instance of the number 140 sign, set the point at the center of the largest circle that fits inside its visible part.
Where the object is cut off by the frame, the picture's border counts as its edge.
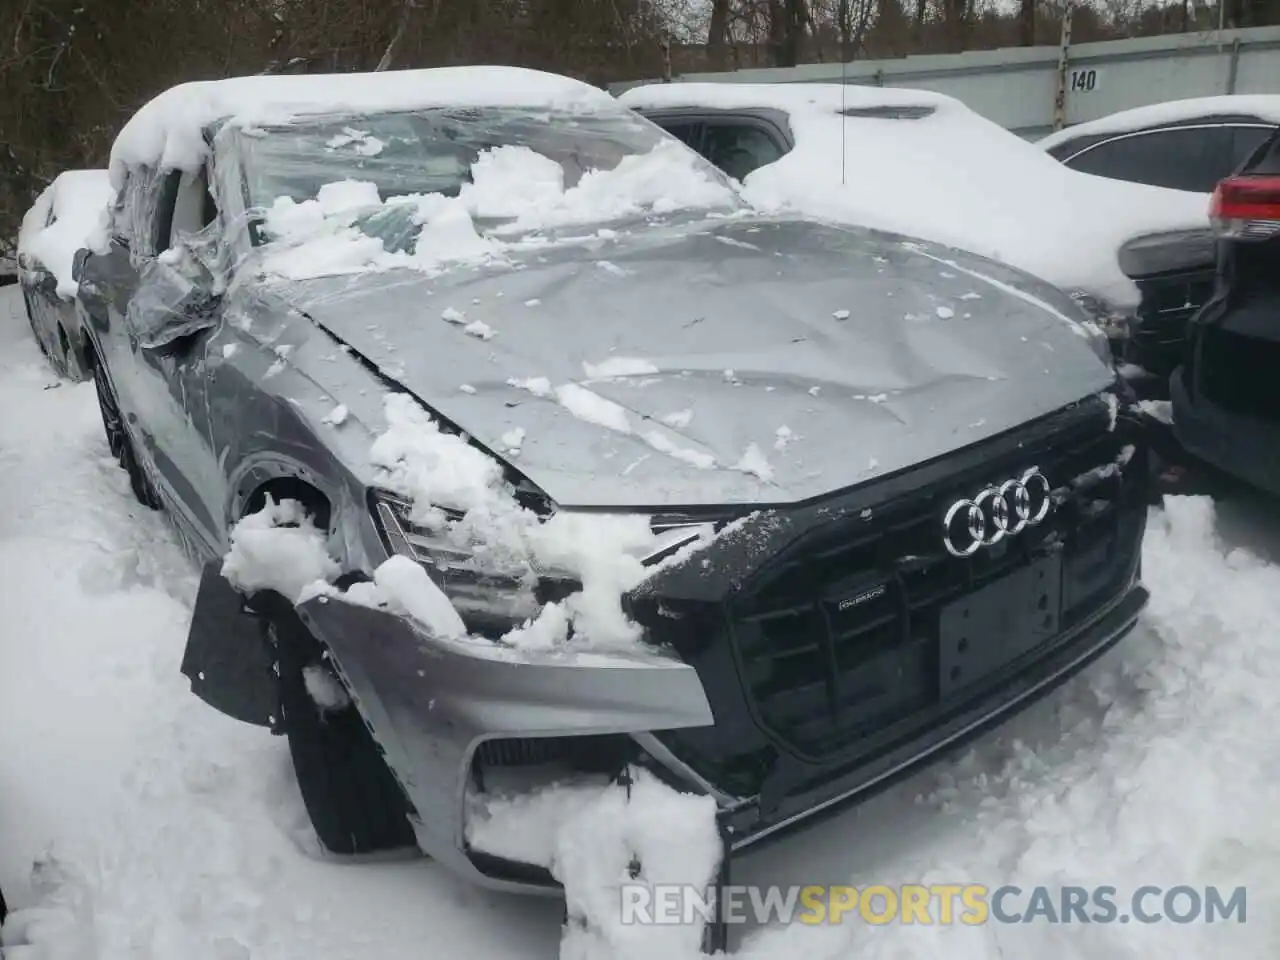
(1084, 81)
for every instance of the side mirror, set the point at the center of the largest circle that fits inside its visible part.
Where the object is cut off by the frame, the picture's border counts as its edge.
(169, 306)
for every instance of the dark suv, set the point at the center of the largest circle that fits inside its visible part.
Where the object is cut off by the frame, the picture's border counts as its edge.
(1226, 404)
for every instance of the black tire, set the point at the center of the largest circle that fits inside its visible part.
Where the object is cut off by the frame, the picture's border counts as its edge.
(35, 331)
(120, 443)
(354, 802)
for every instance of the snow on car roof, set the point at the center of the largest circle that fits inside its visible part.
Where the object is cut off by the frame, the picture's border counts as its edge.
(168, 131)
(1265, 107)
(779, 96)
(80, 199)
(950, 176)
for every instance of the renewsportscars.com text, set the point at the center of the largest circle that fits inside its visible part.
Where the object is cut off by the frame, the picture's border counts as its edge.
(968, 904)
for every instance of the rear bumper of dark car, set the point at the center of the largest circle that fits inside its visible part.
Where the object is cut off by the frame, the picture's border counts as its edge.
(1244, 446)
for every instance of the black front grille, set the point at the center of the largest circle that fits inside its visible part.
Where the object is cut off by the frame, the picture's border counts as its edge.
(838, 636)
(1238, 373)
(1169, 301)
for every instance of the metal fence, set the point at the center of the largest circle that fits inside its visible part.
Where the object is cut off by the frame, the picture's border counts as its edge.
(1017, 86)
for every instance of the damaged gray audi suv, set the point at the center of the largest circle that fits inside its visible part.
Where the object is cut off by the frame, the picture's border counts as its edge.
(887, 492)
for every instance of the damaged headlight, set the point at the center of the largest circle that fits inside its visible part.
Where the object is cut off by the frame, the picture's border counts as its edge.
(491, 588)
(485, 589)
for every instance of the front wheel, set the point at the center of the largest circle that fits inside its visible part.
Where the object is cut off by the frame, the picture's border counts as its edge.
(354, 802)
(119, 442)
(31, 319)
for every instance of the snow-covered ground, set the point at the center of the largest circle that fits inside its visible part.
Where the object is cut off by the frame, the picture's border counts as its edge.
(183, 837)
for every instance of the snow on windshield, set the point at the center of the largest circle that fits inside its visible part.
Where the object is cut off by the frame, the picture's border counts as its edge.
(430, 188)
(924, 165)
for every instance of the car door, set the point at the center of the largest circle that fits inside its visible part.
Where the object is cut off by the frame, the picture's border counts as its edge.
(108, 281)
(1189, 157)
(170, 385)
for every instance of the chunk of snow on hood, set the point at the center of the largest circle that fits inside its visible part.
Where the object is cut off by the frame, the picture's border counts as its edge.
(432, 469)
(467, 388)
(678, 420)
(453, 315)
(592, 408)
(618, 367)
(538, 386)
(533, 302)
(754, 462)
(841, 314)
(229, 350)
(438, 469)
(945, 313)
(664, 444)
(512, 440)
(337, 416)
(479, 329)
(278, 548)
(80, 202)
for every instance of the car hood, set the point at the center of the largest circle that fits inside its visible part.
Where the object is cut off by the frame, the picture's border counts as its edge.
(731, 362)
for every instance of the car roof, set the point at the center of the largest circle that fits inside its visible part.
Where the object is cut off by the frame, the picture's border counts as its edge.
(1236, 108)
(168, 132)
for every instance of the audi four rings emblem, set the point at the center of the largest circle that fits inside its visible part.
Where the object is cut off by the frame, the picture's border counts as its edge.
(997, 512)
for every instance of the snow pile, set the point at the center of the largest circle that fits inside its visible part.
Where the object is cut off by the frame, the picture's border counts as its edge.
(951, 177)
(277, 548)
(80, 202)
(594, 838)
(520, 184)
(459, 494)
(321, 237)
(590, 407)
(168, 131)
(514, 184)
(1265, 107)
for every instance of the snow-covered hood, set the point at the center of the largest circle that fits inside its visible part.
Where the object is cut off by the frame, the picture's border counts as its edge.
(950, 176)
(738, 361)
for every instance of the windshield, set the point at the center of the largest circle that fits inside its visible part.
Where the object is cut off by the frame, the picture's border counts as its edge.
(400, 178)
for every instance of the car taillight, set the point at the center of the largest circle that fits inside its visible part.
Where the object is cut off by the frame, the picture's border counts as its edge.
(1246, 208)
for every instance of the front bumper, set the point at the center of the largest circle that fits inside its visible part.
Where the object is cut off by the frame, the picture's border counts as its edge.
(432, 704)
(770, 712)
(434, 708)
(1235, 443)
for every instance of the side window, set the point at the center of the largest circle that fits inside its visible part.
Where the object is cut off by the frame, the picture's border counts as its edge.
(687, 131)
(193, 207)
(1182, 158)
(133, 218)
(1244, 143)
(1268, 160)
(739, 148)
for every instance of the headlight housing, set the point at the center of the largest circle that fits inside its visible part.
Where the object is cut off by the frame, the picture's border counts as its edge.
(496, 588)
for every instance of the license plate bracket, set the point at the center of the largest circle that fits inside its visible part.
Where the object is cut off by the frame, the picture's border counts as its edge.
(993, 626)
